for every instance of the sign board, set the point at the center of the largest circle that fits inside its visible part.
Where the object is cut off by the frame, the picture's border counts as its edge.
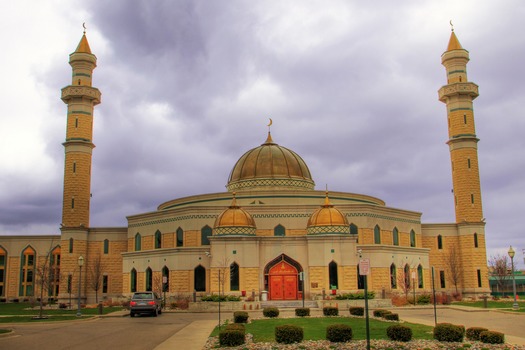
(364, 267)
(164, 279)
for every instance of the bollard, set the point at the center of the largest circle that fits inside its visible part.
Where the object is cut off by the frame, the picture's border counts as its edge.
(100, 309)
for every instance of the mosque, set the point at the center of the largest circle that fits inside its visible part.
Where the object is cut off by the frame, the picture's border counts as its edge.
(271, 233)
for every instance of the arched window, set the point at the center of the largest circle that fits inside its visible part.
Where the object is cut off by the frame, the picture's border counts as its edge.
(332, 273)
(180, 237)
(165, 279)
(3, 260)
(393, 276)
(106, 246)
(360, 280)
(420, 276)
(377, 235)
(71, 245)
(440, 242)
(279, 230)
(149, 280)
(54, 272)
(158, 240)
(353, 229)
(412, 238)
(475, 240)
(205, 234)
(27, 272)
(234, 276)
(199, 279)
(138, 242)
(133, 280)
(407, 276)
(395, 236)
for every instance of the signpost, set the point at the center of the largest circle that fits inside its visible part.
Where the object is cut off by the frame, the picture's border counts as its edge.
(301, 278)
(364, 270)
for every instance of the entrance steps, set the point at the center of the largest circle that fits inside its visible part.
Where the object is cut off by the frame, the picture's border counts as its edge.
(289, 304)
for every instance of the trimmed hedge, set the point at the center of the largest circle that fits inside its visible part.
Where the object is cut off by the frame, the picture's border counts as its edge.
(449, 332)
(339, 333)
(399, 332)
(474, 332)
(355, 296)
(357, 310)
(380, 312)
(492, 337)
(270, 312)
(288, 334)
(240, 317)
(236, 326)
(302, 311)
(330, 311)
(231, 337)
(391, 317)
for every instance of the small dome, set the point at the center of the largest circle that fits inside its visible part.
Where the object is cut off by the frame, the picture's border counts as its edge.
(234, 221)
(271, 166)
(328, 219)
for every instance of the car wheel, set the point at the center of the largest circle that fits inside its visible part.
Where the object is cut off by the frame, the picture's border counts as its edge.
(160, 311)
(131, 314)
(155, 313)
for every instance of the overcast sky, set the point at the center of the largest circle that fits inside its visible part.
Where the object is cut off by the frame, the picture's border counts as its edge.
(188, 87)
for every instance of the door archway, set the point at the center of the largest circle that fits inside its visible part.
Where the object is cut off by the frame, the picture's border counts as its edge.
(282, 278)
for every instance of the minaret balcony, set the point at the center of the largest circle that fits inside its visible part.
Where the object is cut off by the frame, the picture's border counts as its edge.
(455, 89)
(86, 92)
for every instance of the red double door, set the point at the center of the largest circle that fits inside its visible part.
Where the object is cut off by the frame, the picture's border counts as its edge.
(283, 282)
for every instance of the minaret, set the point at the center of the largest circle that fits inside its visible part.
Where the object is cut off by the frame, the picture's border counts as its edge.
(458, 95)
(80, 98)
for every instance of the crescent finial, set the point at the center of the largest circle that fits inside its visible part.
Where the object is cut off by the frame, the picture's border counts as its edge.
(451, 25)
(84, 26)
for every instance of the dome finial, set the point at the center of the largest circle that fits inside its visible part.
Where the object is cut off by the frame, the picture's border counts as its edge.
(451, 26)
(326, 199)
(84, 26)
(269, 138)
(234, 201)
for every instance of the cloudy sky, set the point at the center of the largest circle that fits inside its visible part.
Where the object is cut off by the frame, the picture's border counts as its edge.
(188, 87)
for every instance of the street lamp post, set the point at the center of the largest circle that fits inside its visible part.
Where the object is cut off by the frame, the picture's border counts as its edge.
(511, 252)
(80, 263)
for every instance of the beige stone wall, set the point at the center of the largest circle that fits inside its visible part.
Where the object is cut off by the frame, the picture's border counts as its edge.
(318, 277)
(349, 274)
(249, 279)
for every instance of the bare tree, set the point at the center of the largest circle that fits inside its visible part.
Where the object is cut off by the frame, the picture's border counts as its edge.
(96, 272)
(46, 277)
(403, 282)
(453, 266)
(222, 267)
(499, 267)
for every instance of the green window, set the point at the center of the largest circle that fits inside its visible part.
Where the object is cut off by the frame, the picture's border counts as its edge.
(133, 280)
(279, 230)
(205, 234)
(393, 276)
(105, 284)
(234, 276)
(377, 235)
(71, 245)
(420, 276)
(440, 242)
(106, 246)
(332, 275)
(158, 240)
(412, 238)
(180, 237)
(149, 280)
(138, 242)
(353, 229)
(165, 279)
(395, 236)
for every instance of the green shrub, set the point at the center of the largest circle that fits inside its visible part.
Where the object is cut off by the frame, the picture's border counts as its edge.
(288, 334)
(354, 296)
(330, 311)
(357, 310)
(302, 311)
(240, 317)
(449, 332)
(424, 299)
(391, 317)
(492, 337)
(231, 337)
(399, 332)
(216, 298)
(236, 326)
(339, 333)
(472, 333)
(380, 312)
(270, 312)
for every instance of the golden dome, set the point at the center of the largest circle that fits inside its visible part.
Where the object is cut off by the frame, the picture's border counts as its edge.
(328, 219)
(234, 220)
(271, 166)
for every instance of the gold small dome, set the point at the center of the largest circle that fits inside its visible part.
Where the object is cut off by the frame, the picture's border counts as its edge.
(270, 166)
(234, 220)
(328, 219)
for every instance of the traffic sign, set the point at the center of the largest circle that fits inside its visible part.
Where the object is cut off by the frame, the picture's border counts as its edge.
(364, 267)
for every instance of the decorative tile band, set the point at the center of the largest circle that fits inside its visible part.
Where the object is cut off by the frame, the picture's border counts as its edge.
(324, 230)
(234, 230)
(271, 182)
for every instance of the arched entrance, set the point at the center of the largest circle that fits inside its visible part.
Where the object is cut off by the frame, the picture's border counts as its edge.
(282, 278)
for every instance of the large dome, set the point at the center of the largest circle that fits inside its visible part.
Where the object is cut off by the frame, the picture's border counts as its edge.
(270, 166)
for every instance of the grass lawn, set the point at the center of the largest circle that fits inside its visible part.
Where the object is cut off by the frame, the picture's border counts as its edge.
(2, 330)
(263, 330)
(17, 309)
(492, 304)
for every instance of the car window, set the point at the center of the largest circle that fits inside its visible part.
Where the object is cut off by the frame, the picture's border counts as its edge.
(142, 296)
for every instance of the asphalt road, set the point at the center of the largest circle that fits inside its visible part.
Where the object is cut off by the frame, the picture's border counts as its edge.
(139, 333)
